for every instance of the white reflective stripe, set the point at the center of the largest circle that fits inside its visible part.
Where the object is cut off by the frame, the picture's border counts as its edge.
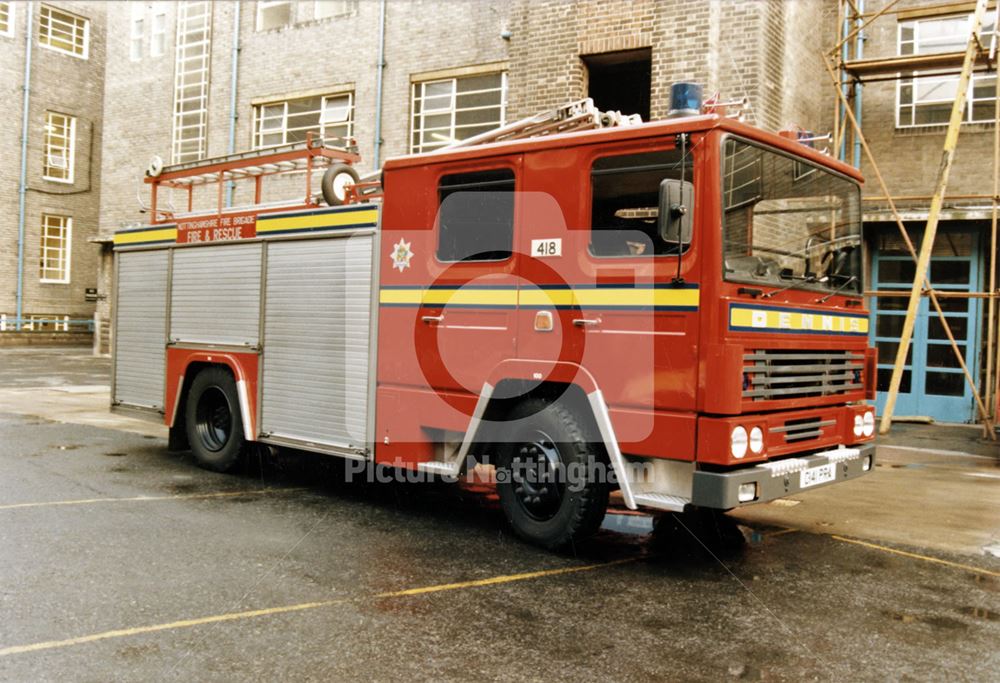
(248, 431)
(782, 468)
(177, 401)
(603, 419)
(842, 454)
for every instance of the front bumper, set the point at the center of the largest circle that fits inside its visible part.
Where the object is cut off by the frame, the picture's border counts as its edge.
(780, 478)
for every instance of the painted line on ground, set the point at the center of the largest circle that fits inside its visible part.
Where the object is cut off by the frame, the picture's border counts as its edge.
(916, 556)
(301, 607)
(150, 499)
(934, 451)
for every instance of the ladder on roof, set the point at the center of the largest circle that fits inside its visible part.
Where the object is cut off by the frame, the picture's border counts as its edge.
(568, 118)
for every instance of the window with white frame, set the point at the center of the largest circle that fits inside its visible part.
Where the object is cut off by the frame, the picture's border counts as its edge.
(136, 32)
(194, 46)
(925, 98)
(333, 8)
(279, 123)
(54, 254)
(452, 109)
(6, 18)
(60, 143)
(273, 14)
(158, 33)
(63, 32)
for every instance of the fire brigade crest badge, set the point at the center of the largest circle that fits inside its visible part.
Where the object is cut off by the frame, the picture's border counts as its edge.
(401, 255)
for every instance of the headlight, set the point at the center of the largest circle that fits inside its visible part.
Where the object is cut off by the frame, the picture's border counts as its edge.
(738, 441)
(868, 423)
(757, 440)
(858, 425)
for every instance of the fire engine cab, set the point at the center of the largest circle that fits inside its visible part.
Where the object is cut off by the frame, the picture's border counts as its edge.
(672, 310)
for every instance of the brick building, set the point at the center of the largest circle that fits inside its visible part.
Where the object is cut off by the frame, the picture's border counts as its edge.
(904, 120)
(195, 79)
(64, 87)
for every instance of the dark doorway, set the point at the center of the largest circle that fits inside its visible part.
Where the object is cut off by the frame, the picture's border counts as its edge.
(621, 81)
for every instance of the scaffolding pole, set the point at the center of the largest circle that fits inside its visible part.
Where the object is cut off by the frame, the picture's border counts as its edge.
(930, 231)
(905, 237)
(992, 382)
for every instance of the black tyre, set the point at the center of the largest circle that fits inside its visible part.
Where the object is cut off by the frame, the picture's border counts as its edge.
(214, 424)
(550, 476)
(336, 179)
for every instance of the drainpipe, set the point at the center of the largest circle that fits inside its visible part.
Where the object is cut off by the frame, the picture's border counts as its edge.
(859, 50)
(376, 156)
(845, 31)
(23, 186)
(233, 113)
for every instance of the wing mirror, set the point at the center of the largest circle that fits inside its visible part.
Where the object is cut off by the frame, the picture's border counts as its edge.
(676, 215)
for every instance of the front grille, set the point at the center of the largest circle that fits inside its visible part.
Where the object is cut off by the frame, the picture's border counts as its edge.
(803, 429)
(775, 374)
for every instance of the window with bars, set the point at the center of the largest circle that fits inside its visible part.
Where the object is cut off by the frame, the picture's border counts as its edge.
(925, 98)
(158, 34)
(194, 44)
(279, 123)
(63, 32)
(136, 32)
(60, 143)
(324, 9)
(6, 18)
(54, 253)
(452, 109)
(273, 14)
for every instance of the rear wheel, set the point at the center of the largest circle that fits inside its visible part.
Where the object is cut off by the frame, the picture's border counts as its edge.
(550, 478)
(214, 424)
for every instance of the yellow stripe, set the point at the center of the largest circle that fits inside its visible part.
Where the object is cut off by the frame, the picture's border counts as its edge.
(319, 220)
(250, 614)
(625, 296)
(162, 235)
(916, 556)
(790, 320)
(609, 296)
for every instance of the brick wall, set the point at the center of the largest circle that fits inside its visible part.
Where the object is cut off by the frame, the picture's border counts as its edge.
(68, 85)
(909, 157)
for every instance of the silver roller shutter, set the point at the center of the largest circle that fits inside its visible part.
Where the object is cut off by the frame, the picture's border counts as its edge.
(141, 327)
(316, 325)
(215, 296)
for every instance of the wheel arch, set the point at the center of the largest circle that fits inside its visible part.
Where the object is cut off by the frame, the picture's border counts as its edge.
(183, 368)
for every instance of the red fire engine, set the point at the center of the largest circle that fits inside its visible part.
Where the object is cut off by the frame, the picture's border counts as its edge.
(669, 309)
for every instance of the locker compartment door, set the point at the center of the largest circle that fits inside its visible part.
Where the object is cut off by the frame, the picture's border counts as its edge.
(215, 297)
(317, 318)
(141, 329)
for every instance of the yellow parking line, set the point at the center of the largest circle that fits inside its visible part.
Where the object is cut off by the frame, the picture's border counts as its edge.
(250, 614)
(148, 499)
(782, 532)
(917, 556)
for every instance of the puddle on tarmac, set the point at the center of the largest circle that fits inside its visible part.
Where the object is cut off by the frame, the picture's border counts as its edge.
(625, 523)
(115, 454)
(68, 447)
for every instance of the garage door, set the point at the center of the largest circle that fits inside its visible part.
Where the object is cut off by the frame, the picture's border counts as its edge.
(140, 332)
(317, 315)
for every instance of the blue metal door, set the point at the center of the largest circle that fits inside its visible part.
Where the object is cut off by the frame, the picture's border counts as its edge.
(933, 384)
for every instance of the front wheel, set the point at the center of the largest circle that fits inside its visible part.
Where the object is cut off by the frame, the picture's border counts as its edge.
(552, 484)
(214, 424)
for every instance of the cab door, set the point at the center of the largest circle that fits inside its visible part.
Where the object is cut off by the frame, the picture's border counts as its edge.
(611, 281)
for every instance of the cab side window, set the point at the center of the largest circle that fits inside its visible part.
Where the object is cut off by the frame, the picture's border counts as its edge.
(626, 192)
(476, 216)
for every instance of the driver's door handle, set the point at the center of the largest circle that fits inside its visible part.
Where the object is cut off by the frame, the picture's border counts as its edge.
(586, 322)
(432, 318)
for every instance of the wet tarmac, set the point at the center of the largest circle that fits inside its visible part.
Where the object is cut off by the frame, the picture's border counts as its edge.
(119, 561)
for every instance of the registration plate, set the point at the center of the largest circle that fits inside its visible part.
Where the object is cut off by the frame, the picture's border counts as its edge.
(817, 475)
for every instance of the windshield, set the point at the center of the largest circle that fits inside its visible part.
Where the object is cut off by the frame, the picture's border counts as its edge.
(788, 223)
